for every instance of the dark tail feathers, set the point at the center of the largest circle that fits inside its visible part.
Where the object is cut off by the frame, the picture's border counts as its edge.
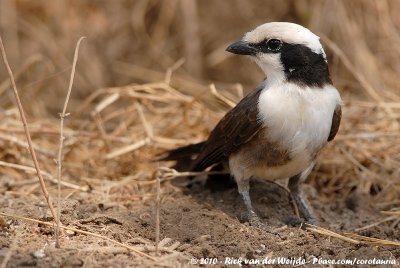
(183, 156)
(184, 152)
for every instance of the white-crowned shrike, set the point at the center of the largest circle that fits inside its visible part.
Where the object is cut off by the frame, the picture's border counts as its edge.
(278, 130)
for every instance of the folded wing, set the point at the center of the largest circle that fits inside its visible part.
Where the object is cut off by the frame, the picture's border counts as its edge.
(337, 116)
(237, 127)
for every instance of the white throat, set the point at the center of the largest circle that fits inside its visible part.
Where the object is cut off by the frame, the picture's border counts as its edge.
(272, 67)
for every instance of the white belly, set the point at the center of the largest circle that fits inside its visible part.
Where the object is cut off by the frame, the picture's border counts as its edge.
(298, 118)
(248, 163)
(297, 121)
(289, 169)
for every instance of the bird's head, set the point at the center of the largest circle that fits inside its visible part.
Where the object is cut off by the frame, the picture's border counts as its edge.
(285, 51)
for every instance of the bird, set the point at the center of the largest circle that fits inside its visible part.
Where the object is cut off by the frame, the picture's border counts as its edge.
(278, 130)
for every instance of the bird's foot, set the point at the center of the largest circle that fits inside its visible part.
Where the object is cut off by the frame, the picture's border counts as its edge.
(311, 220)
(255, 221)
(298, 222)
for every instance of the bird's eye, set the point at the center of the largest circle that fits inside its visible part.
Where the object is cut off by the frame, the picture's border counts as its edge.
(274, 44)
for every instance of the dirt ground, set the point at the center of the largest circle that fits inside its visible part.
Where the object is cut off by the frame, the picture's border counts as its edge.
(200, 221)
(153, 75)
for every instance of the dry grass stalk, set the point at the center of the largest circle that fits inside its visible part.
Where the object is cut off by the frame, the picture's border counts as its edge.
(147, 127)
(323, 231)
(391, 218)
(46, 175)
(391, 212)
(27, 134)
(23, 144)
(128, 149)
(29, 62)
(335, 48)
(100, 126)
(170, 70)
(352, 238)
(359, 76)
(218, 95)
(64, 114)
(372, 241)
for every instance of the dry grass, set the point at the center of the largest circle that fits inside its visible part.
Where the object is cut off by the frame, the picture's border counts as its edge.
(135, 95)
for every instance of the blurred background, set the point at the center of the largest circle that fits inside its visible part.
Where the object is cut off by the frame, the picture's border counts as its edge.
(137, 41)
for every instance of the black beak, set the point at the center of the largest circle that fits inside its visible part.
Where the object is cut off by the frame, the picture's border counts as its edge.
(242, 48)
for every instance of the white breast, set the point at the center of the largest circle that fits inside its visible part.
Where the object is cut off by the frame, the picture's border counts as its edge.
(300, 118)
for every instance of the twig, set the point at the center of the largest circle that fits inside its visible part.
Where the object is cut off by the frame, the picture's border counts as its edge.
(357, 163)
(147, 126)
(27, 134)
(14, 139)
(349, 65)
(171, 69)
(83, 232)
(221, 97)
(320, 230)
(372, 92)
(99, 123)
(128, 148)
(106, 102)
(391, 218)
(61, 145)
(45, 175)
(25, 66)
(374, 241)
(389, 212)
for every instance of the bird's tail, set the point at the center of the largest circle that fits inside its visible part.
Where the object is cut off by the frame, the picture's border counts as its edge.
(183, 156)
(187, 151)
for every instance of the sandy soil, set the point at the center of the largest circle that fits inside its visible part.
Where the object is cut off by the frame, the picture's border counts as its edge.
(131, 47)
(203, 221)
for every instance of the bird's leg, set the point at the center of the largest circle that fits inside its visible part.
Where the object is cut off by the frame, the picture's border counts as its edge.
(254, 220)
(243, 184)
(294, 187)
(252, 217)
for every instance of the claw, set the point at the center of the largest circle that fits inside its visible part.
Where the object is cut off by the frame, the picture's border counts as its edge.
(255, 221)
(298, 222)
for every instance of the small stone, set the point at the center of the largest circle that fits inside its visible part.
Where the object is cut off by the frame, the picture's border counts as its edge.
(203, 238)
(39, 254)
(69, 232)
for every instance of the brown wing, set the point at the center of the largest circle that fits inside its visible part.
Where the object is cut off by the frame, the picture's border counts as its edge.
(337, 116)
(237, 127)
